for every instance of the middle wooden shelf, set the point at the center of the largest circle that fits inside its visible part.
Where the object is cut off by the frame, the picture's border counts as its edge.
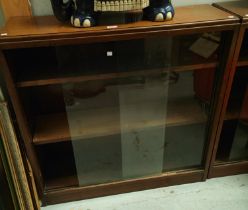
(54, 79)
(105, 121)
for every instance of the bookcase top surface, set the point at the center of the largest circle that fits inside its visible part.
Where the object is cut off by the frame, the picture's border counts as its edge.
(21, 31)
(239, 8)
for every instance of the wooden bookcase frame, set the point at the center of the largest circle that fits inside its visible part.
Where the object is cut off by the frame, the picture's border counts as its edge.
(31, 32)
(238, 9)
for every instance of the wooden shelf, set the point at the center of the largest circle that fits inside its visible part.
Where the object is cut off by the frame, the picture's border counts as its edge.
(55, 79)
(233, 112)
(233, 115)
(242, 63)
(57, 67)
(106, 121)
(61, 182)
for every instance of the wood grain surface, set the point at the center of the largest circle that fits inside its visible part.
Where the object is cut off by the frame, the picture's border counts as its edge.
(15, 8)
(179, 113)
(38, 31)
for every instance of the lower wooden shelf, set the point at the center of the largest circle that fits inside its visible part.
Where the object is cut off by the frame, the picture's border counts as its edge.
(62, 182)
(242, 63)
(85, 124)
(233, 113)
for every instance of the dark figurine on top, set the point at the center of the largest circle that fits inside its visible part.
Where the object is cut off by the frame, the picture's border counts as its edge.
(82, 12)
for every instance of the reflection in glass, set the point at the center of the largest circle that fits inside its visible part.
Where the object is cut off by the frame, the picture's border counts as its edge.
(142, 119)
(135, 127)
(141, 111)
(117, 128)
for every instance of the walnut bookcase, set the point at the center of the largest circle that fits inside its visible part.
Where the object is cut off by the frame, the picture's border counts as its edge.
(92, 124)
(230, 157)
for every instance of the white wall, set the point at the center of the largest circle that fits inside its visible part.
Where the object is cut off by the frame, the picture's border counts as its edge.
(43, 7)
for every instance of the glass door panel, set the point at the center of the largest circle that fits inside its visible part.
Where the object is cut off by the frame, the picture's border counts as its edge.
(233, 144)
(119, 110)
(142, 111)
(234, 136)
(142, 121)
(118, 132)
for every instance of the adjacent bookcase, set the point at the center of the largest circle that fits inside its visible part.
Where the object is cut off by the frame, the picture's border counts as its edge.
(230, 154)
